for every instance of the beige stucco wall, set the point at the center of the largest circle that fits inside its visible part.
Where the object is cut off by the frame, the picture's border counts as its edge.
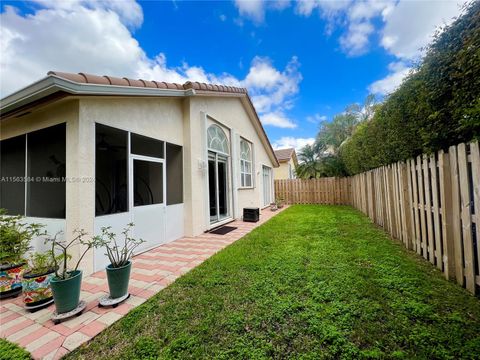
(282, 171)
(231, 113)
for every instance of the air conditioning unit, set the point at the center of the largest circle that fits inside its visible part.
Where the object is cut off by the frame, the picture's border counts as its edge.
(251, 214)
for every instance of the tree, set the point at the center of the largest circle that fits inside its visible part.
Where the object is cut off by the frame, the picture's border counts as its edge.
(322, 158)
(365, 112)
(309, 167)
(332, 134)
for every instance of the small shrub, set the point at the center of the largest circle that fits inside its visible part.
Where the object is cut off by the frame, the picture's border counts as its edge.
(15, 237)
(10, 351)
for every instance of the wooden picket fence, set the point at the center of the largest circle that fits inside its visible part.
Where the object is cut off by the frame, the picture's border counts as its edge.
(430, 203)
(332, 191)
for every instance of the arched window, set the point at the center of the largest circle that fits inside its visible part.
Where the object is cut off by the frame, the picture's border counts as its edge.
(245, 163)
(217, 140)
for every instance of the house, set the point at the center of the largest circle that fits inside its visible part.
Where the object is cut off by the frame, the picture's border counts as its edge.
(287, 159)
(175, 159)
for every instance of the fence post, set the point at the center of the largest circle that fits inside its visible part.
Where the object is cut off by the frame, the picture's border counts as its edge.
(466, 219)
(406, 205)
(436, 212)
(456, 214)
(371, 200)
(446, 210)
(475, 159)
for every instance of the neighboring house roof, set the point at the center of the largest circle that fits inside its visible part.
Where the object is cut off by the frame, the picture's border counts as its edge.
(57, 85)
(284, 155)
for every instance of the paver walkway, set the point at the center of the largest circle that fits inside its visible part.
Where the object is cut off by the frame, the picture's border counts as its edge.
(151, 272)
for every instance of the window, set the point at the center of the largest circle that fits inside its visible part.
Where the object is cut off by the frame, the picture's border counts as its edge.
(147, 182)
(12, 172)
(39, 156)
(245, 163)
(143, 145)
(174, 174)
(217, 140)
(111, 170)
(46, 168)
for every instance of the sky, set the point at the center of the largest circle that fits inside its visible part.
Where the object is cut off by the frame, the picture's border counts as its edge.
(301, 61)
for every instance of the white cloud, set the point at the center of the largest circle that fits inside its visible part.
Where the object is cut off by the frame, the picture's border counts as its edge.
(253, 9)
(129, 11)
(404, 39)
(316, 118)
(355, 41)
(278, 119)
(271, 88)
(326, 8)
(68, 39)
(96, 37)
(355, 16)
(397, 72)
(405, 26)
(292, 142)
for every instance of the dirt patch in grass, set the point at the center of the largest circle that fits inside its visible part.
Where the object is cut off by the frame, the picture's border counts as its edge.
(315, 282)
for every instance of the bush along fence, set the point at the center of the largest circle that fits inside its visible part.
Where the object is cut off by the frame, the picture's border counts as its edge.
(430, 203)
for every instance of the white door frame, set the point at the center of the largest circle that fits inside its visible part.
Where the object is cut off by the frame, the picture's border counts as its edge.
(162, 206)
(270, 184)
(227, 161)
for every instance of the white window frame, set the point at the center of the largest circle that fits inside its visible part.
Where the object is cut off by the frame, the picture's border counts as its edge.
(243, 166)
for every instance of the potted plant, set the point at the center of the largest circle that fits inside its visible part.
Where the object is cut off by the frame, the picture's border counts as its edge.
(118, 271)
(67, 280)
(280, 202)
(36, 281)
(15, 237)
(273, 206)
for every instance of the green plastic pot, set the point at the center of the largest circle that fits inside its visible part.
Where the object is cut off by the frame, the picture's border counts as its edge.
(118, 279)
(66, 293)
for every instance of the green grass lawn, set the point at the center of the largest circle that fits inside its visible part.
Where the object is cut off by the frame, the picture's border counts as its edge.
(11, 351)
(315, 282)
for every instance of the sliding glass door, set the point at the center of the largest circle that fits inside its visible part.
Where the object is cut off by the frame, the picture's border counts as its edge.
(218, 187)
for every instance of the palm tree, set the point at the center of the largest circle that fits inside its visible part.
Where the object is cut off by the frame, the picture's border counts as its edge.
(309, 167)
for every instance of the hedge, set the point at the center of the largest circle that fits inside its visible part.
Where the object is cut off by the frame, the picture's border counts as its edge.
(436, 106)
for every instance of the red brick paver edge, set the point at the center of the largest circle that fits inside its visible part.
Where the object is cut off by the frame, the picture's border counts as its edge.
(151, 272)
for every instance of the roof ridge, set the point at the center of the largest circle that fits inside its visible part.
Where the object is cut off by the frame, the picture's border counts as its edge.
(86, 78)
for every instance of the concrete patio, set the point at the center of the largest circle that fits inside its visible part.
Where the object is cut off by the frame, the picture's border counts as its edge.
(152, 271)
